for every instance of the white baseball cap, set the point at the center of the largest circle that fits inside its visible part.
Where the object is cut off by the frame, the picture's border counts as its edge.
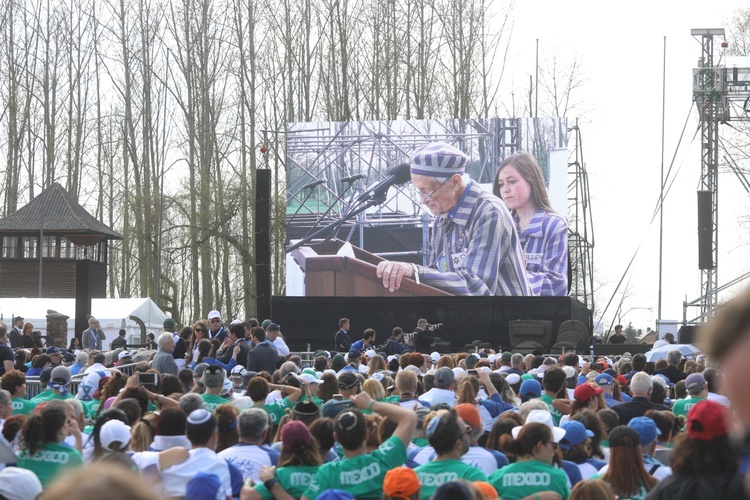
(19, 484)
(112, 432)
(214, 314)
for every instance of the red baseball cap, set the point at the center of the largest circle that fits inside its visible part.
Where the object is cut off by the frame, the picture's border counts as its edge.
(584, 392)
(707, 420)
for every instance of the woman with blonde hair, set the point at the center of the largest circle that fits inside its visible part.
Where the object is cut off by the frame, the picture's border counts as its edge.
(376, 364)
(374, 389)
(543, 234)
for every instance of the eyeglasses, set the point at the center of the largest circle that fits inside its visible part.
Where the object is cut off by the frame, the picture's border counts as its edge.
(215, 320)
(554, 445)
(430, 195)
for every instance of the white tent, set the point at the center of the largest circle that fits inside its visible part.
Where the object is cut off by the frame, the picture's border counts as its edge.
(113, 314)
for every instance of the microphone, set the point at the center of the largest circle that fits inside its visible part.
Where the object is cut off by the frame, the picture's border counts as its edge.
(397, 175)
(353, 178)
(314, 184)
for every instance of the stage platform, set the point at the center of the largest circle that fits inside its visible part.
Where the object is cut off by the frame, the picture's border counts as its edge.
(314, 320)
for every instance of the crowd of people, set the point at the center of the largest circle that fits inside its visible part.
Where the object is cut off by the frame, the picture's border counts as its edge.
(227, 411)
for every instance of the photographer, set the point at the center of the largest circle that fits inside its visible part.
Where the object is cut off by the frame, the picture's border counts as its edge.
(423, 336)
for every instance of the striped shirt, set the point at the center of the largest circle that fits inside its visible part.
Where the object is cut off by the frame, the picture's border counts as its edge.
(475, 250)
(545, 245)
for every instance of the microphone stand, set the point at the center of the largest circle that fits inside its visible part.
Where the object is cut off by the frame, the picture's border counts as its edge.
(377, 199)
(328, 210)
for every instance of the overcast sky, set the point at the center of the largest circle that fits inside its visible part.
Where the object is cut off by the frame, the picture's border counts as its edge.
(620, 47)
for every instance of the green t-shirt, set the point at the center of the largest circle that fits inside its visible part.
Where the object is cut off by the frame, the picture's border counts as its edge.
(556, 415)
(361, 476)
(91, 407)
(391, 399)
(277, 410)
(295, 479)
(212, 401)
(43, 396)
(50, 461)
(640, 495)
(522, 479)
(22, 406)
(420, 442)
(438, 472)
(683, 406)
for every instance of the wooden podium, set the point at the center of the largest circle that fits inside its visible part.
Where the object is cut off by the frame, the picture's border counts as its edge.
(328, 274)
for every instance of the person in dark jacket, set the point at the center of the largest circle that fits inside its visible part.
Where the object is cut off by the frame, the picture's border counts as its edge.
(263, 355)
(342, 342)
(640, 388)
(236, 337)
(671, 371)
(705, 464)
(423, 336)
(395, 343)
(120, 341)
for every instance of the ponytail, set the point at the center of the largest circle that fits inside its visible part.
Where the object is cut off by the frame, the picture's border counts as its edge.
(43, 427)
(467, 392)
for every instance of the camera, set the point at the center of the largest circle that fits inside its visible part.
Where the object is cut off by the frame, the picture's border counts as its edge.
(436, 326)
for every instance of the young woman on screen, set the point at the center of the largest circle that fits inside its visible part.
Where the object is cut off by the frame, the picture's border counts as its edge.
(543, 233)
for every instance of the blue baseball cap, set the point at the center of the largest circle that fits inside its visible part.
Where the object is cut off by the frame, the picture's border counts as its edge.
(575, 434)
(204, 486)
(646, 429)
(531, 389)
(604, 379)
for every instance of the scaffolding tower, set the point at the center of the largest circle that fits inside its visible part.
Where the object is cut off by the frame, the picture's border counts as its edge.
(580, 224)
(721, 95)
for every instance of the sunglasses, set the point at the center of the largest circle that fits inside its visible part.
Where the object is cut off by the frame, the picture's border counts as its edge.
(199, 330)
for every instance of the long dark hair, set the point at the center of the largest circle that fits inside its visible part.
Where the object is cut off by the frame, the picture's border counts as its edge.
(529, 169)
(531, 434)
(626, 473)
(702, 458)
(43, 427)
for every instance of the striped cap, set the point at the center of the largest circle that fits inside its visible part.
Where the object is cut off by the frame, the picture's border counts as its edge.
(438, 159)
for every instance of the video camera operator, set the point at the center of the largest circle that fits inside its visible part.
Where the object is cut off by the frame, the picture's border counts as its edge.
(424, 335)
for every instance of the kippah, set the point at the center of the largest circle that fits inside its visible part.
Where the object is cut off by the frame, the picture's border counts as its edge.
(199, 416)
(347, 414)
(438, 159)
(433, 425)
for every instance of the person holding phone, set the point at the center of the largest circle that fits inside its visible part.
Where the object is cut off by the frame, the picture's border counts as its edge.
(543, 233)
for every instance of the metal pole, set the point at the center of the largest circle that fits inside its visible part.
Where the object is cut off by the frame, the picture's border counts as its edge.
(661, 181)
(536, 83)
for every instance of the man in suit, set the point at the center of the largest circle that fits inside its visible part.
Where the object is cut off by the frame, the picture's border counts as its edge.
(263, 356)
(15, 334)
(640, 388)
(236, 338)
(92, 337)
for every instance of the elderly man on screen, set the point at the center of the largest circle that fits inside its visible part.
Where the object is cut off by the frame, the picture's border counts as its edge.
(474, 247)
